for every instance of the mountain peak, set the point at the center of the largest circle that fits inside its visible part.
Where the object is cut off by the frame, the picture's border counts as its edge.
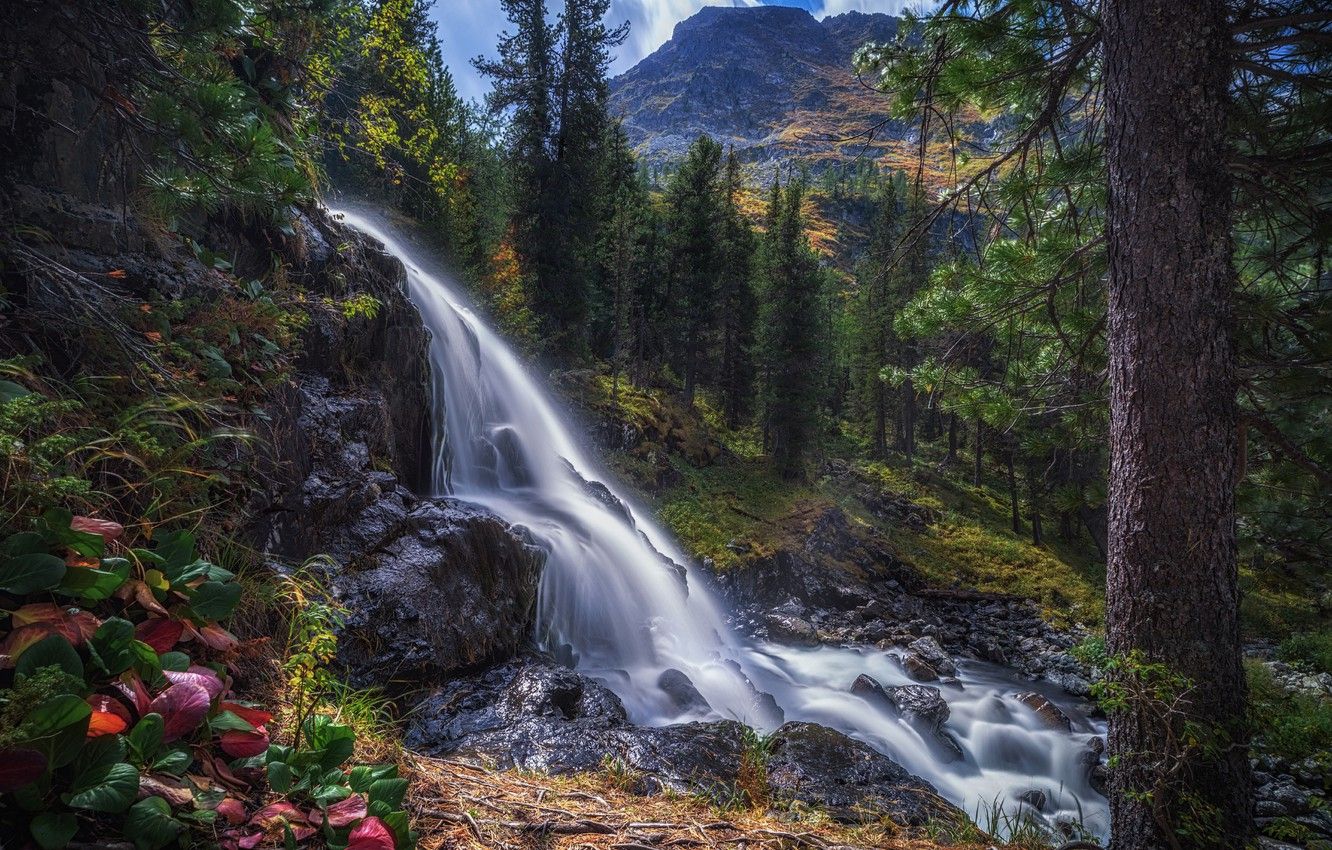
(770, 80)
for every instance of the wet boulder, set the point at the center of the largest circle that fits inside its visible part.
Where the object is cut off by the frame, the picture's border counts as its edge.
(849, 779)
(923, 707)
(929, 650)
(528, 713)
(446, 585)
(1050, 715)
(918, 668)
(788, 628)
(680, 688)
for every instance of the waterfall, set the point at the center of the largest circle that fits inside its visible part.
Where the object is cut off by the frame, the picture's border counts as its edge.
(615, 603)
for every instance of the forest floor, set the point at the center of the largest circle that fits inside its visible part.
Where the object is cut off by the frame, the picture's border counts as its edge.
(466, 806)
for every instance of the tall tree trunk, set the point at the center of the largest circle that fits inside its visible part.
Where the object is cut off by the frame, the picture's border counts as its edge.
(1013, 493)
(880, 419)
(952, 439)
(976, 473)
(1172, 589)
(909, 421)
(1034, 501)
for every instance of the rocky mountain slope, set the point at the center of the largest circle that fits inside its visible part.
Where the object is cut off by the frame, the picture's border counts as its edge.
(773, 81)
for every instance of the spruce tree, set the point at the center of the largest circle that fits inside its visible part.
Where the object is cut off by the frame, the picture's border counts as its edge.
(695, 224)
(872, 313)
(736, 301)
(790, 331)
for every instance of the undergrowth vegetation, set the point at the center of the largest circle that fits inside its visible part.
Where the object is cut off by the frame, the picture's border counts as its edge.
(119, 714)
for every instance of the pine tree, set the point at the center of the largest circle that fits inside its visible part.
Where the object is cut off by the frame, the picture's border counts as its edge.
(872, 312)
(625, 260)
(736, 301)
(695, 225)
(790, 329)
(553, 79)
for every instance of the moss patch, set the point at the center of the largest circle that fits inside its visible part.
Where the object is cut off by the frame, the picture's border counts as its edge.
(740, 502)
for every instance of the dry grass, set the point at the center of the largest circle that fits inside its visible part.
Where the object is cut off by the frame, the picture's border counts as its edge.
(457, 805)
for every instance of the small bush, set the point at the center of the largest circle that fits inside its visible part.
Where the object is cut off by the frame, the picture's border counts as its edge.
(1313, 649)
(1293, 726)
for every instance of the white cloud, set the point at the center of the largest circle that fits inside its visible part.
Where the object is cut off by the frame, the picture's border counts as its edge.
(838, 7)
(651, 23)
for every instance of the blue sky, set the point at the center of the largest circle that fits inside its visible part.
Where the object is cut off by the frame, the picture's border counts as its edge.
(469, 28)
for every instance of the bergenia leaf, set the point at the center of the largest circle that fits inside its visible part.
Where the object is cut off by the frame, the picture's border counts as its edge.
(253, 716)
(23, 574)
(346, 812)
(109, 717)
(160, 633)
(18, 641)
(232, 810)
(183, 707)
(371, 834)
(104, 528)
(238, 744)
(201, 676)
(131, 685)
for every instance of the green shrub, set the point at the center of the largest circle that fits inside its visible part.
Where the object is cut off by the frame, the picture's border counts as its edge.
(1293, 726)
(1313, 649)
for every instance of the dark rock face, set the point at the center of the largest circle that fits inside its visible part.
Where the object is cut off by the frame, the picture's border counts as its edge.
(852, 781)
(448, 586)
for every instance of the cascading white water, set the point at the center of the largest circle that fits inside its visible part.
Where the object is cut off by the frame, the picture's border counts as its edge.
(613, 605)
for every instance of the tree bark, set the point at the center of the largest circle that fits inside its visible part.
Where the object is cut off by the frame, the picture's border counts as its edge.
(908, 435)
(1172, 590)
(1013, 493)
(979, 459)
(880, 419)
(1034, 485)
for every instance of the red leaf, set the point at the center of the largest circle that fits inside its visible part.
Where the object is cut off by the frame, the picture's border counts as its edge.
(38, 612)
(159, 633)
(240, 745)
(232, 810)
(201, 676)
(277, 814)
(109, 717)
(252, 716)
(348, 811)
(105, 528)
(213, 636)
(183, 707)
(74, 624)
(132, 687)
(218, 769)
(18, 767)
(371, 834)
(20, 639)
